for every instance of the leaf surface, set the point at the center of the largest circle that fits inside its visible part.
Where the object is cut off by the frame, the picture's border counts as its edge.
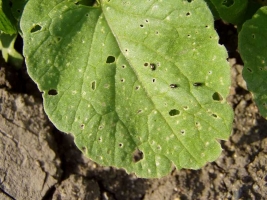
(252, 47)
(140, 84)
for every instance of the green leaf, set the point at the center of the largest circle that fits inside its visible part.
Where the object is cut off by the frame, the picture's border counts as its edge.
(9, 53)
(142, 84)
(17, 8)
(232, 11)
(7, 21)
(252, 47)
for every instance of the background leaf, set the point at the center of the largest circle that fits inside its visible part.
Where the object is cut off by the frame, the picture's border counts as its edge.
(7, 21)
(141, 85)
(9, 53)
(252, 47)
(232, 11)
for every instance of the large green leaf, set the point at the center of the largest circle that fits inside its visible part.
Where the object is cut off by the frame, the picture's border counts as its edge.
(142, 84)
(252, 47)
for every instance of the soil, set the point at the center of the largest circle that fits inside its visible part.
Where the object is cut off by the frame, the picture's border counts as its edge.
(39, 162)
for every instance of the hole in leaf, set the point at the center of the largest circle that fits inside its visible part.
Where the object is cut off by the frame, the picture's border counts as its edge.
(137, 155)
(153, 80)
(58, 39)
(137, 87)
(157, 32)
(189, 1)
(249, 70)
(123, 66)
(198, 84)
(186, 107)
(139, 111)
(141, 25)
(214, 115)
(52, 92)
(93, 85)
(152, 66)
(110, 59)
(253, 36)
(174, 112)
(120, 145)
(188, 14)
(217, 97)
(146, 20)
(82, 126)
(18, 11)
(182, 132)
(146, 64)
(83, 148)
(36, 28)
(122, 80)
(173, 85)
(86, 14)
(100, 139)
(228, 3)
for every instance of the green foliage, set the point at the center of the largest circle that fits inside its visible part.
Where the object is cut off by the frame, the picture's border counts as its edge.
(252, 47)
(9, 53)
(233, 11)
(142, 84)
(7, 21)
